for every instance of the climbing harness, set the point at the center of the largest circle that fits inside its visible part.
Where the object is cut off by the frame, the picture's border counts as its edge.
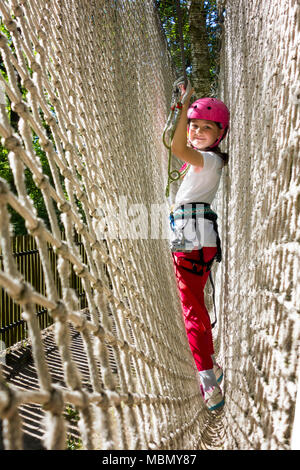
(193, 211)
(189, 211)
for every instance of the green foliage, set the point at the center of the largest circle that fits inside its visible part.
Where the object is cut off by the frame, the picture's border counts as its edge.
(6, 33)
(213, 32)
(168, 16)
(6, 173)
(73, 443)
(169, 20)
(71, 413)
(33, 191)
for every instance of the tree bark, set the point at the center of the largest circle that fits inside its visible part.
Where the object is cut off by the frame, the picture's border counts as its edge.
(200, 57)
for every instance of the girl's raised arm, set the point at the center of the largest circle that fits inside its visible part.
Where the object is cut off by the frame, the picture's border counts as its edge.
(179, 145)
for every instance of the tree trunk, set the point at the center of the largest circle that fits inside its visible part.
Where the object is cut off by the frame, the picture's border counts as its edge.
(200, 58)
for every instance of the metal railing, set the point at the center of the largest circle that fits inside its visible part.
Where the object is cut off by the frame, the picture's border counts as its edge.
(12, 326)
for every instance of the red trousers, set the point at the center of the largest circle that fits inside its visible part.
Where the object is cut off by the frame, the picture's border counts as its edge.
(196, 318)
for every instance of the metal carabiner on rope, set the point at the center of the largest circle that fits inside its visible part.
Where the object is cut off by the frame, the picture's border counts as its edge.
(171, 124)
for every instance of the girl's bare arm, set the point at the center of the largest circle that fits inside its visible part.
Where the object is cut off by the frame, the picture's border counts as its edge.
(179, 145)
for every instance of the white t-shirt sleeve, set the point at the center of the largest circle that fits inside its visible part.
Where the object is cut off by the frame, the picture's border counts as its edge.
(211, 161)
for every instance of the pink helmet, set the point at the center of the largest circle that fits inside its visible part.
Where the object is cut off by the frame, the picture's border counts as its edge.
(211, 109)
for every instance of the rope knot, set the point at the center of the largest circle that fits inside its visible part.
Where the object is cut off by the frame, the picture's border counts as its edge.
(93, 212)
(4, 188)
(82, 325)
(81, 195)
(95, 245)
(29, 85)
(47, 146)
(39, 49)
(35, 66)
(68, 147)
(59, 312)
(23, 295)
(66, 173)
(8, 401)
(125, 346)
(100, 332)
(50, 121)
(12, 143)
(35, 230)
(41, 34)
(104, 402)
(98, 285)
(64, 206)
(56, 402)
(3, 41)
(21, 109)
(42, 182)
(18, 11)
(81, 271)
(130, 399)
(11, 26)
(62, 249)
(147, 399)
(80, 228)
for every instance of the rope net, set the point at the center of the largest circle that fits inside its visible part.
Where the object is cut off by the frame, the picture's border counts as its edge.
(88, 80)
(259, 208)
(89, 86)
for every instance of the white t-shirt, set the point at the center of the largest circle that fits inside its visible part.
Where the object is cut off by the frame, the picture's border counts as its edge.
(201, 185)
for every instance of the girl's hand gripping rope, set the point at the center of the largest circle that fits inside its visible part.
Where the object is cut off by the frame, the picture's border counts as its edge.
(180, 96)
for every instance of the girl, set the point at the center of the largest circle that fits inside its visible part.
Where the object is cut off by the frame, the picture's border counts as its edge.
(195, 241)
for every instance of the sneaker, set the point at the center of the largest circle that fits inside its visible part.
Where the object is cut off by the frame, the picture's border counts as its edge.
(218, 373)
(213, 398)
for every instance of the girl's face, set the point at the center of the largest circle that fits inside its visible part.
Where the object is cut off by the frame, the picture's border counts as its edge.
(203, 134)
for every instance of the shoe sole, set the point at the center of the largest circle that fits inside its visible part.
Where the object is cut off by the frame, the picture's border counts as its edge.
(219, 380)
(215, 407)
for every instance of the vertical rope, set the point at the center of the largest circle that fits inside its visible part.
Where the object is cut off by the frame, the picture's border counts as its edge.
(181, 39)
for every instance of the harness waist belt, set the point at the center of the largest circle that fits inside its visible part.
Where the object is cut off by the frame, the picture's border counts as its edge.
(194, 209)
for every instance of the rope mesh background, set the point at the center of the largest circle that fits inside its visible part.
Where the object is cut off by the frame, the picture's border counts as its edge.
(104, 68)
(259, 206)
